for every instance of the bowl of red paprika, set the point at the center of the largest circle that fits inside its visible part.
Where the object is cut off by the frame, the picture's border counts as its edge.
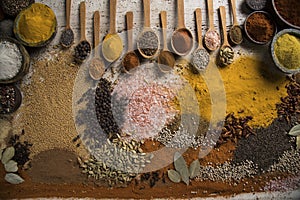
(260, 27)
(288, 11)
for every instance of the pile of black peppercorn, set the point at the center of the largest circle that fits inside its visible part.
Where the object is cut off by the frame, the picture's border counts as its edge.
(148, 43)
(104, 111)
(82, 50)
(8, 99)
(22, 149)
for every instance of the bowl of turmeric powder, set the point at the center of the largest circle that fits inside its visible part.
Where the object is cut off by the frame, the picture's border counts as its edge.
(36, 25)
(285, 50)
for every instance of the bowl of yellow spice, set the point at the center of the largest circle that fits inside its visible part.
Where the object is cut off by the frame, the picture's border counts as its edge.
(285, 50)
(36, 25)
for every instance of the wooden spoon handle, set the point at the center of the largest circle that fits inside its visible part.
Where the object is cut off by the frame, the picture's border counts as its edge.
(233, 7)
(210, 13)
(68, 13)
(199, 26)
(82, 20)
(96, 32)
(146, 13)
(180, 8)
(129, 22)
(163, 17)
(223, 21)
(113, 12)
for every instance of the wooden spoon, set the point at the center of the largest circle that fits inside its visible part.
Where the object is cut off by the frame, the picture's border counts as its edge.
(165, 59)
(112, 46)
(200, 58)
(67, 37)
(148, 42)
(130, 60)
(226, 53)
(235, 33)
(97, 67)
(182, 38)
(212, 37)
(83, 49)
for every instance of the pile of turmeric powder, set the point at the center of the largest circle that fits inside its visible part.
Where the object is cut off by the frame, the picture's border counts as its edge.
(252, 88)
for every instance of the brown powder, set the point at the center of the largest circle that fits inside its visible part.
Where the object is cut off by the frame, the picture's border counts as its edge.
(130, 61)
(46, 114)
(182, 41)
(260, 27)
(289, 10)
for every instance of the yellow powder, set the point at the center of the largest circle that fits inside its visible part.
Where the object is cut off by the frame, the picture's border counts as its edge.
(36, 24)
(251, 87)
(112, 47)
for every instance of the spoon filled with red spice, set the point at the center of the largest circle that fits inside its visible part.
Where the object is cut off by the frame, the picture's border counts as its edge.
(130, 60)
(212, 37)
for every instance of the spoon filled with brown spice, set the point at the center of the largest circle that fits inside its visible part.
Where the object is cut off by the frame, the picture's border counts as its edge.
(83, 49)
(67, 36)
(182, 38)
(200, 57)
(235, 33)
(212, 37)
(96, 67)
(130, 60)
(226, 53)
(165, 59)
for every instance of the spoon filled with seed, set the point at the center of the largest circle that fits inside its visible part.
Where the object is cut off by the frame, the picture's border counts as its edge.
(165, 59)
(226, 53)
(83, 49)
(96, 67)
(112, 46)
(130, 60)
(200, 57)
(212, 37)
(67, 36)
(235, 33)
(148, 42)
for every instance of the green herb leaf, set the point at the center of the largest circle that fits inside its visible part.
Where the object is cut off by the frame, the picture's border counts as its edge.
(295, 131)
(298, 142)
(174, 176)
(194, 168)
(181, 167)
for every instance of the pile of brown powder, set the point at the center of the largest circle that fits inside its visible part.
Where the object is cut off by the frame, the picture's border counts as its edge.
(46, 114)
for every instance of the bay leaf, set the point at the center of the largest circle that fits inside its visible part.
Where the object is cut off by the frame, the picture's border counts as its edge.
(181, 167)
(295, 131)
(194, 168)
(298, 142)
(11, 166)
(13, 178)
(8, 154)
(174, 176)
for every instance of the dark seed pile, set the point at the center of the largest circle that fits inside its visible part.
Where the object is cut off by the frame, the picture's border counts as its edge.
(82, 50)
(104, 109)
(8, 101)
(22, 149)
(67, 38)
(148, 43)
(289, 107)
(153, 178)
(235, 128)
(266, 147)
(13, 7)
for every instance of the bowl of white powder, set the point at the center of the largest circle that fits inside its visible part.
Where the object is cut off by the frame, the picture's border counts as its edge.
(14, 61)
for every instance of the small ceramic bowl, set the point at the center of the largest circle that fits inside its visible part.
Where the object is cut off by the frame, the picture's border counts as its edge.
(247, 31)
(25, 62)
(281, 18)
(274, 57)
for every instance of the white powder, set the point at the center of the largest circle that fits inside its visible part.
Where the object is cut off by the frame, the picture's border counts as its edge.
(10, 60)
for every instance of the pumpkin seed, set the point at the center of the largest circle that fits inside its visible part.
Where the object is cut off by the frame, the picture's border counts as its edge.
(8, 154)
(174, 176)
(194, 168)
(13, 178)
(11, 166)
(295, 131)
